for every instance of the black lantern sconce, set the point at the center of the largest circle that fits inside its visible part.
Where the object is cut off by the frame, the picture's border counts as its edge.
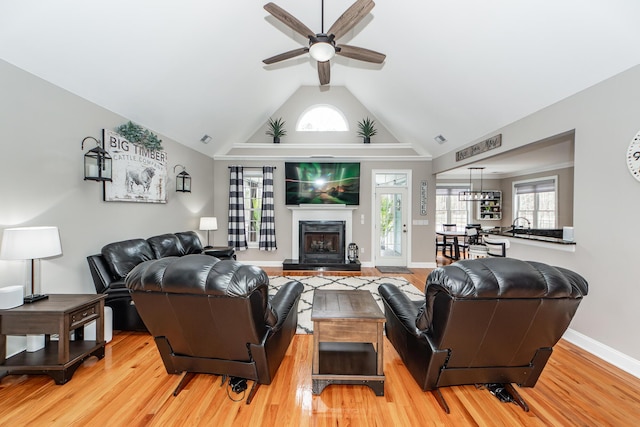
(183, 180)
(97, 162)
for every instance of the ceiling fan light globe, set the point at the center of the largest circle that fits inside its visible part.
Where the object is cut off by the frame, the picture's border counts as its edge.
(322, 51)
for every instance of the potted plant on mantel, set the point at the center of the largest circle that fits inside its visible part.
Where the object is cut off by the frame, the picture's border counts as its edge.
(367, 129)
(275, 128)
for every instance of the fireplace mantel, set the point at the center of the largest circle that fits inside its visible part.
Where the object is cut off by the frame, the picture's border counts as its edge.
(319, 213)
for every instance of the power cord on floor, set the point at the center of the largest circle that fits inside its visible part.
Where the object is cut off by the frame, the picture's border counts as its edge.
(237, 385)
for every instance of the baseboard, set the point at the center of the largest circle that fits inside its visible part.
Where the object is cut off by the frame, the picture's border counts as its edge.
(423, 265)
(604, 352)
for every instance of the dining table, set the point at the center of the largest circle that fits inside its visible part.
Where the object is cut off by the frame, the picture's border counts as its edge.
(454, 252)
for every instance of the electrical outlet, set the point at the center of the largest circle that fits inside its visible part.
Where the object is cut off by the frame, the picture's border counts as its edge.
(362, 219)
(361, 250)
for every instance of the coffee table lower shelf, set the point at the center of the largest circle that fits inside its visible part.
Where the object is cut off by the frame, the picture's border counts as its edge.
(347, 363)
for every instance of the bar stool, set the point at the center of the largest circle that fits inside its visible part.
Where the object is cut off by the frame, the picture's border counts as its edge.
(478, 251)
(496, 247)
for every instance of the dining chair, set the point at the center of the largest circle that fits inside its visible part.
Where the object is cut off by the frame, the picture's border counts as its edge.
(443, 243)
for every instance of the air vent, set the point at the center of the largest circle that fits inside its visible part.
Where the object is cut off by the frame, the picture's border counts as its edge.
(440, 139)
(205, 139)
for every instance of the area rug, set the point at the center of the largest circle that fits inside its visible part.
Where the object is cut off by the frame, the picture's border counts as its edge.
(368, 283)
(396, 270)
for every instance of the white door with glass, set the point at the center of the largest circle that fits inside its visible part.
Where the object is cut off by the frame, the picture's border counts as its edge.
(391, 227)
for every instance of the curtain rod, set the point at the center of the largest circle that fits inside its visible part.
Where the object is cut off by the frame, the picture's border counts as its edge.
(251, 167)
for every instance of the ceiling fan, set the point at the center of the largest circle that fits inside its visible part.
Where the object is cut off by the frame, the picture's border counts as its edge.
(322, 46)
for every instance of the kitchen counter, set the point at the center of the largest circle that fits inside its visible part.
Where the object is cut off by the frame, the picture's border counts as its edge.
(538, 235)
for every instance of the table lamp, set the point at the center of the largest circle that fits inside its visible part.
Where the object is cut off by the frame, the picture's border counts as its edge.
(208, 223)
(30, 243)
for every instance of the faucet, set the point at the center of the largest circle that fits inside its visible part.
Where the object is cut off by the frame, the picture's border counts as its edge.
(523, 218)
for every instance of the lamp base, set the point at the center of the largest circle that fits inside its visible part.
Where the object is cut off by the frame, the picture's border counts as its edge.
(33, 298)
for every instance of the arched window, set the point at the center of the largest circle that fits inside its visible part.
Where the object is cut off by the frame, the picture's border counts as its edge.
(322, 118)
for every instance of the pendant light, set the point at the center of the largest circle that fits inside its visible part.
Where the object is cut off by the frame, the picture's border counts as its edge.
(474, 195)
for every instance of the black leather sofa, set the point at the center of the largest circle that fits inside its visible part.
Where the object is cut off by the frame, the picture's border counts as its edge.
(212, 316)
(491, 321)
(116, 260)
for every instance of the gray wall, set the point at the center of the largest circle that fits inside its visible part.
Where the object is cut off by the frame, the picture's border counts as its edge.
(41, 168)
(420, 253)
(338, 96)
(606, 203)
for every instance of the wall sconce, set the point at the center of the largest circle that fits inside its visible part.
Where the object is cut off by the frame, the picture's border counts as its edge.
(97, 162)
(183, 180)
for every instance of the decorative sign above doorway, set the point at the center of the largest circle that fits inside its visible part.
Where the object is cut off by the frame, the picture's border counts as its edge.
(480, 147)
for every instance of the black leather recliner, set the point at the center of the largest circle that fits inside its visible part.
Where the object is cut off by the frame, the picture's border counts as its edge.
(212, 316)
(491, 321)
(110, 267)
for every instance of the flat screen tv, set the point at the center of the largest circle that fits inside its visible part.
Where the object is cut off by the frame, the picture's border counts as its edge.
(322, 183)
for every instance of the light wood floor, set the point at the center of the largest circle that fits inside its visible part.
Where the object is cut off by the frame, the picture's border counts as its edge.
(130, 387)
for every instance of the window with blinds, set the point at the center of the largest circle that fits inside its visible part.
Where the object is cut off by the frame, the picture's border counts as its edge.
(536, 200)
(450, 210)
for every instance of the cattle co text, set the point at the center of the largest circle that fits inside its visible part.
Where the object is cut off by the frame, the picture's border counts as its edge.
(124, 145)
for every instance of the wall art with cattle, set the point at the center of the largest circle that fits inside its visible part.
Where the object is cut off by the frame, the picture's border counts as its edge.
(139, 174)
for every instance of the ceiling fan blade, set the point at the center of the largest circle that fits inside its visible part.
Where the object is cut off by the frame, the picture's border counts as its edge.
(286, 55)
(360, 54)
(324, 72)
(351, 17)
(288, 19)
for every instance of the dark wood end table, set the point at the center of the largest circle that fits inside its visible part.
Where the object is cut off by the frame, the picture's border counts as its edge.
(59, 314)
(347, 340)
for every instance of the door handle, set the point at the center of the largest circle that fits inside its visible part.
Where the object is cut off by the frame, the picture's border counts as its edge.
(404, 228)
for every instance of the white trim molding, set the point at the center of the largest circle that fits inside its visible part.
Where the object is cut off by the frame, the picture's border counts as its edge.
(604, 352)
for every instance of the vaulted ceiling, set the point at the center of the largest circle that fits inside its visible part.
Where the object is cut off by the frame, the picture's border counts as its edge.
(457, 68)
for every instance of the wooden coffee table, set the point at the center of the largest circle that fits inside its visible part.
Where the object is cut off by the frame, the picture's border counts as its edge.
(347, 340)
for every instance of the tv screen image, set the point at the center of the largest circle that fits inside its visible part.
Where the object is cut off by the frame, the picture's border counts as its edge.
(322, 183)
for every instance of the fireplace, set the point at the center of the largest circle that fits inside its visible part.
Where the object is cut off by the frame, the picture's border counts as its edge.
(322, 242)
(321, 257)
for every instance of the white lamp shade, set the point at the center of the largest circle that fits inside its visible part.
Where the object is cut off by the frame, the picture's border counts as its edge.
(30, 243)
(208, 223)
(322, 51)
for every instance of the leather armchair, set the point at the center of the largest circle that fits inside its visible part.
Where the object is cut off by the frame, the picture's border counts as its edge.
(212, 316)
(487, 321)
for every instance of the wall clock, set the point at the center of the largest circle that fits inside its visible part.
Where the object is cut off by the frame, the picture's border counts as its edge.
(633, 156)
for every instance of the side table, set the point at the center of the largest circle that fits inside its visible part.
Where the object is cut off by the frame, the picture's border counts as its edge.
(60, 314)
(347, 340)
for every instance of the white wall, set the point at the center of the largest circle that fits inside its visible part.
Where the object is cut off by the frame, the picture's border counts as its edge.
(41, 170)
(606, 203)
